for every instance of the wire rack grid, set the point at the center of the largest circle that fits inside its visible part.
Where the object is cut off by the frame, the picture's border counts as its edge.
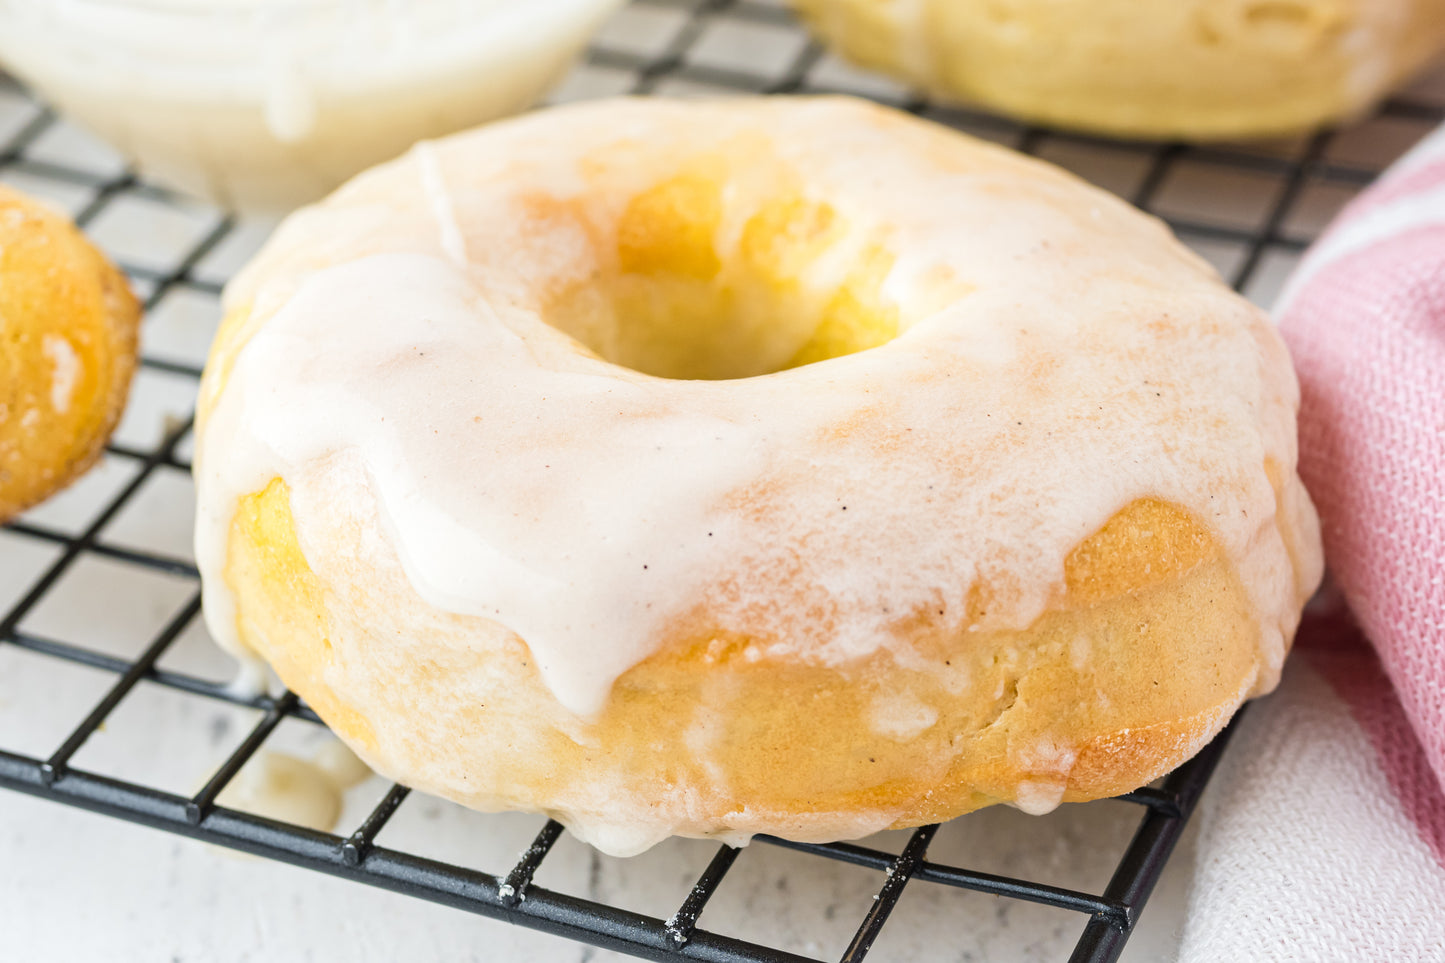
(1250, 210)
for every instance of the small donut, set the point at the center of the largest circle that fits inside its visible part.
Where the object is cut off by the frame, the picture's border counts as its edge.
(789, 466)
(68, 332)
(1192, 69)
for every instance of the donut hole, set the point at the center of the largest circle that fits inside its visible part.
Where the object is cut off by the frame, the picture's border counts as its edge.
(699, 277)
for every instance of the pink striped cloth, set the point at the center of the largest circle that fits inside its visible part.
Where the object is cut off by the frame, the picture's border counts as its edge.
(1323, 837)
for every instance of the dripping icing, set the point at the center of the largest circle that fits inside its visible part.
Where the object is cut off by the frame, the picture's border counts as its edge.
(439, 200)
(64, 371)
(306, 792)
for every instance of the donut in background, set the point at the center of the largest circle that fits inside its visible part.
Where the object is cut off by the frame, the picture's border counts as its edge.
(1191, 69)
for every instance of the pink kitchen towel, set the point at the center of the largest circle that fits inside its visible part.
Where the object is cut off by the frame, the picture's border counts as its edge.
(1323, 835)
(1365, 320)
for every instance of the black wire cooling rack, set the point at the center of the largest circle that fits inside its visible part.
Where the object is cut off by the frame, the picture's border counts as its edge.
(1263, 221)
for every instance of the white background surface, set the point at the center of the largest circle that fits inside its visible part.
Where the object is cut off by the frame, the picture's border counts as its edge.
(78, 887)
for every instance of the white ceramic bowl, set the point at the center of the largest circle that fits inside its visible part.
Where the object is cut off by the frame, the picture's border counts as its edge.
(262, 105)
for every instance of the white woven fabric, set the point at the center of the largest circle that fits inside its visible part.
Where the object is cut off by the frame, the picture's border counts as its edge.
(1305, 856)
(1324, 835)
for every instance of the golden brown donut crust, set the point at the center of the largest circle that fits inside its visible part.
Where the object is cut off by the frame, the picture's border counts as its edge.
(68, 331)
(1136, 668)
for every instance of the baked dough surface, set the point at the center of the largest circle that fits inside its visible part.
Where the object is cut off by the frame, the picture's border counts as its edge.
(468, 484)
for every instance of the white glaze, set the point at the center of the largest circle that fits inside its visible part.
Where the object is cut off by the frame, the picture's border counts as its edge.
(1039, 797)
(64, 370)
(589, 508)
(284, 787)
(901, 717)
(439, 199)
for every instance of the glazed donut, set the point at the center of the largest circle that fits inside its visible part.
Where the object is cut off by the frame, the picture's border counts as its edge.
(68, 330)
(786, 466)
(1195, 69)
